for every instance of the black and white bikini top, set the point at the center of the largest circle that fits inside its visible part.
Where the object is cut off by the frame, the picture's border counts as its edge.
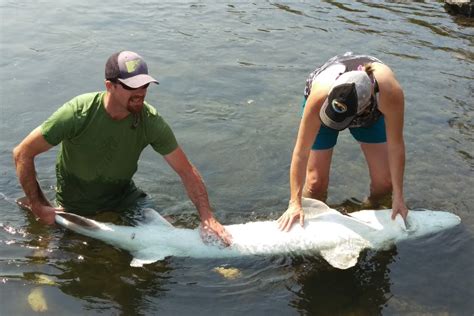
(335, 67)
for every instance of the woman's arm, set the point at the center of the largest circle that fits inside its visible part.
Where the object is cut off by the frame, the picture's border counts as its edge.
(308, 129)
(392, 105)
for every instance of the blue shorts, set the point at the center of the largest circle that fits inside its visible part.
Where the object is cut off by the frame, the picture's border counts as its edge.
(373, 134)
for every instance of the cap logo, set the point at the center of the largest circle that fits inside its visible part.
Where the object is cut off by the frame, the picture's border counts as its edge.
(132, 65)
(338, 107)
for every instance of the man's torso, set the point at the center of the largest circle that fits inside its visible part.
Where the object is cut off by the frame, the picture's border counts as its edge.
(99, 155)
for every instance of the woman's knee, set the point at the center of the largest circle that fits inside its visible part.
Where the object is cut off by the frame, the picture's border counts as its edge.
(316, 187)
(380, 187)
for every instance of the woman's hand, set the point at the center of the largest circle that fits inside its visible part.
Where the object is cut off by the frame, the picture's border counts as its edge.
(292, 214)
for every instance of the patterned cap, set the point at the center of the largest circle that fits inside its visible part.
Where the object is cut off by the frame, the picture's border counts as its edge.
(350, 94)
(128, 68)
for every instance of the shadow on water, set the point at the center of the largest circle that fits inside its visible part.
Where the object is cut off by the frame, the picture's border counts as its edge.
(361, 290)
(97, 274)
(104, 279)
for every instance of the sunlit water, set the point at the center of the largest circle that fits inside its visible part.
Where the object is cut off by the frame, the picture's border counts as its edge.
(231, 80)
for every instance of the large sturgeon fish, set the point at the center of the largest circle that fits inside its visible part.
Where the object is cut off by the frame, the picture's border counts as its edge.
(338, 238)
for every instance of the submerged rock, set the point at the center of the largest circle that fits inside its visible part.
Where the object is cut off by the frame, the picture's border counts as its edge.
(37, 301)
(228, 273)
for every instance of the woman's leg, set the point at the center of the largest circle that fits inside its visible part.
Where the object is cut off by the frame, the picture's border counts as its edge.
(376, 156)
(317, 174)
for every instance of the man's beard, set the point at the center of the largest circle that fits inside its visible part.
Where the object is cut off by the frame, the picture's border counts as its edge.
(135, 104)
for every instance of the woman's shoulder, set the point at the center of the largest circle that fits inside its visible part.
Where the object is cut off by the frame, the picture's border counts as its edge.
(385, 77)
(382, 71)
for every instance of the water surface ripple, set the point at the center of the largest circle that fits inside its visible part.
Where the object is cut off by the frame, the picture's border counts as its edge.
(231, 81)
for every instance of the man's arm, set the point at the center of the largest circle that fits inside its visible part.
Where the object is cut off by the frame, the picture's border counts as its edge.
(392, 105)
(197, 192)
(24, 155)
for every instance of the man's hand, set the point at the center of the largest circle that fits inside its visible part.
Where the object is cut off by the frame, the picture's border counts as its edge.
(290, 216)
(197, 192)
(43, 210)
(46, 214)
(399, 207)
(213, 226)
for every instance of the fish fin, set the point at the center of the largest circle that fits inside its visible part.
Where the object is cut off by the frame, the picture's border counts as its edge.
(153, 217)
(144, 257)
(343, 256)
(313, 208)
(138, 263)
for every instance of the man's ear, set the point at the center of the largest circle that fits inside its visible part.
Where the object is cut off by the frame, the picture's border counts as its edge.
(108, 85)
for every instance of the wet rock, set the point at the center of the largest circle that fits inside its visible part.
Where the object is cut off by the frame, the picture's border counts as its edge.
(463, 7)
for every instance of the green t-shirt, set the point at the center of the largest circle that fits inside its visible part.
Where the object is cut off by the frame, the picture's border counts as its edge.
(99, 155)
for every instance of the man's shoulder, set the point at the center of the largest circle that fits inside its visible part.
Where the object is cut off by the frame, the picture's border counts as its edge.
(87, 99)
(150, 111)
(83, 105)
(152, 118)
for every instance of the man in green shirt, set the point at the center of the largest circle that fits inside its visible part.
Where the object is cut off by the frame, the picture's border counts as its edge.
(102, 135)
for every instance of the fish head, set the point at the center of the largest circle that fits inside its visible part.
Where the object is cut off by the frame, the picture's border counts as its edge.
(422, 222)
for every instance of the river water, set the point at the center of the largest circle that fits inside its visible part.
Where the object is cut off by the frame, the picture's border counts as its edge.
(231, 80)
